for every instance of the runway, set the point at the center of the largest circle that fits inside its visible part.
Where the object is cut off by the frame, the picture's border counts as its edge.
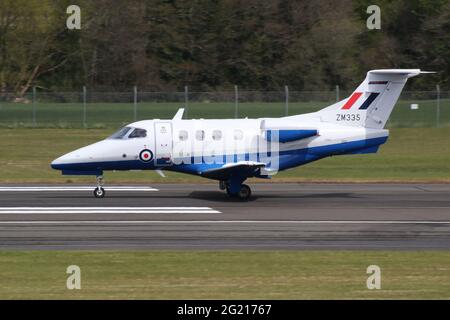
(188, 216)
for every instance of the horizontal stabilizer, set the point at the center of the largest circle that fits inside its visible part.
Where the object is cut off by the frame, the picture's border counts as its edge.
(404, 72)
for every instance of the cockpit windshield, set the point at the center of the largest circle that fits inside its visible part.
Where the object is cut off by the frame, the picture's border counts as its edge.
(121, 133)
(138, 133)
(129, 133)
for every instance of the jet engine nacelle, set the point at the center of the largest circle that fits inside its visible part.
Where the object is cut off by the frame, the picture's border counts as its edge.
(282, 131)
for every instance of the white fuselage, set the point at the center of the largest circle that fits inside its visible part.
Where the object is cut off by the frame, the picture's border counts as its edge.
(216, 142)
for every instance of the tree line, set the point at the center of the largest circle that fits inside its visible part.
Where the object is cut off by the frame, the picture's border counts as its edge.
(211, 45)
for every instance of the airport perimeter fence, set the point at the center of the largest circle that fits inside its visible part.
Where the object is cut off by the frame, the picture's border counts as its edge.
(94, 109)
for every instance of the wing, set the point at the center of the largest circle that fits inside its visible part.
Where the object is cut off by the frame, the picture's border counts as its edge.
(240, 168)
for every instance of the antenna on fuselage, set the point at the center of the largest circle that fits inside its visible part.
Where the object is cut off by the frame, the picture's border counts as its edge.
(179, 114)
(161, 173)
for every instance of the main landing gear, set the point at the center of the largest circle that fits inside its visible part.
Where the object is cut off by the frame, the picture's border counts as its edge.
(99, 192)
(236, 189)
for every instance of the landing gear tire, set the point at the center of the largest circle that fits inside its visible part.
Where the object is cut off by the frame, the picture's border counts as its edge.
(99, 192)
(245, 192)
(223, 185)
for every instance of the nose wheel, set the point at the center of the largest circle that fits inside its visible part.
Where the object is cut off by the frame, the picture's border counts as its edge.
(99, 192)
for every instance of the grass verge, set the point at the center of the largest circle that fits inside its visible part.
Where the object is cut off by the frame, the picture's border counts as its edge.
(224, 275)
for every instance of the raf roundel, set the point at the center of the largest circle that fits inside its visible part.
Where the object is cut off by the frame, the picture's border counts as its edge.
(146, 155)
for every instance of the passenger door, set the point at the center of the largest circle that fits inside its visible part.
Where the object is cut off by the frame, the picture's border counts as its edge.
(163, 143)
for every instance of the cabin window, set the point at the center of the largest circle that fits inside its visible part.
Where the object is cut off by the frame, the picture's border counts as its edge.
(200, 135)
(183, 135)
(138, 133)
(217, 135)
(238, 134)
(121, 133)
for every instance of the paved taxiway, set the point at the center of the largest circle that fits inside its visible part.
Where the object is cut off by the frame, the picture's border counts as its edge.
(184, 216)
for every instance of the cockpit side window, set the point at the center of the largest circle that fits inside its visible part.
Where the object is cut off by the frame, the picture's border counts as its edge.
(121, 133)
(138, 133)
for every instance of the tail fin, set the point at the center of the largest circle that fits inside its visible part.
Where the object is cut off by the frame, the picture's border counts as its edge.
(371, 104)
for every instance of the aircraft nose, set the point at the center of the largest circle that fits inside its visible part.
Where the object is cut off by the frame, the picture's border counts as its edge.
(55, 163)
(58, 163)
(68, 160)
(82, 159)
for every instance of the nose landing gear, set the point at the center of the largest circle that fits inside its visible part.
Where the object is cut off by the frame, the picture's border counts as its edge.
(99, 192)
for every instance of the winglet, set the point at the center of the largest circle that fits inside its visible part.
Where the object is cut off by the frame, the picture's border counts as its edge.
(179, 114)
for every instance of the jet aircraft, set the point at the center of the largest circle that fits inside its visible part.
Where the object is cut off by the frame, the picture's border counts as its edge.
(233, 150)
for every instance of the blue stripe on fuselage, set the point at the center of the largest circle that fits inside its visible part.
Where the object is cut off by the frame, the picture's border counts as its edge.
(287, 159)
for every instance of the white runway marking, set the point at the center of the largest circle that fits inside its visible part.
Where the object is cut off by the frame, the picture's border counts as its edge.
(108, 210)
(74, 188)
(149, 222)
